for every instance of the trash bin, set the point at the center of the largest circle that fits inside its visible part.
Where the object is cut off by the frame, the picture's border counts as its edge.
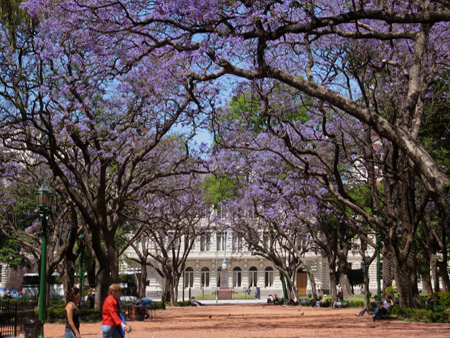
(139, 313)
(32, 328)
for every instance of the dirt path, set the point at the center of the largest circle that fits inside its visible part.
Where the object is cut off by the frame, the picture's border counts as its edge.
(263, 321)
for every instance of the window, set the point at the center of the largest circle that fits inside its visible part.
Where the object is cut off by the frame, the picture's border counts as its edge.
(253, 276)
(268, 277)
(205, 242)
(237, 243)
(266, 240)
(221, 240)
(237, 277)
(205, 277)
(189, 278)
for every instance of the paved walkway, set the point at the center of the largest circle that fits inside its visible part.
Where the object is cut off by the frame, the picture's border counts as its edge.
(245, 320)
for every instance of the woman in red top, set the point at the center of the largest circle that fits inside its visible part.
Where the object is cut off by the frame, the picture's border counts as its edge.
(111, 321)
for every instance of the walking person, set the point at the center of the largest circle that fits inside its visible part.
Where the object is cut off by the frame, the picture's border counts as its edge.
(72, 313)
(112, 324)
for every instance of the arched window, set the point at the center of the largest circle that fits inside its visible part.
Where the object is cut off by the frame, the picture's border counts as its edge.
(253, 276)
(205, 277)
(237, 277)
(188, 278)
(268, 277)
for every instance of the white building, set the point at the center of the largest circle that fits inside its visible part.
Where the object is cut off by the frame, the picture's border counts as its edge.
(245, 270)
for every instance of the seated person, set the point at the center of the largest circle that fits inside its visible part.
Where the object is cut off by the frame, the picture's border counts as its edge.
(323, 301)
(195, 302)
(276, 300)
(270, 299)
(304, 302)
(338, 302)
(292, 302)
(147, 302)
(372, 307)
(384, 308)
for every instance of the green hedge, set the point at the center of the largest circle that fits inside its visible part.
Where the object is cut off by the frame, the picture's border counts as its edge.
(429, 316)
(442, 298)
(182, 304)
(56, 314)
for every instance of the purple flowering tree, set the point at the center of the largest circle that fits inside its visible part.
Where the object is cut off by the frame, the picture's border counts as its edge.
(301, 44)
(370, 63)
(20, 177)
(266, 210)
(97, 130)
(363, 176)
(172, 215)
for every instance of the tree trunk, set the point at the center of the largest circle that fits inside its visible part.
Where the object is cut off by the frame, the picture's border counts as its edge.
(444, 276)
(164, 292)
(313, 282)
(343, 276)
(406, 281)
(387, 272)
(366, 285)
(333, 290)
(426, 277)
(291, 287)
(102, 283)
(443, 265)
(142, 281)
(68, 274)
(434, 273)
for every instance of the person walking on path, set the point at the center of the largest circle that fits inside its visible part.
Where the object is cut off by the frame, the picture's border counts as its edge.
(112, 323)
(72, 313)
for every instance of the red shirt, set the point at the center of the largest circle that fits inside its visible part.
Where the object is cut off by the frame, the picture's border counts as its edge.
(110, 312)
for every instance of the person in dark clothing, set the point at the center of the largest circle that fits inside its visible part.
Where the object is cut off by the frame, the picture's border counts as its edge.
(73, 313)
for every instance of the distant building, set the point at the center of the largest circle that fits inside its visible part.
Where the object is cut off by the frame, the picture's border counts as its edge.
(203, 266)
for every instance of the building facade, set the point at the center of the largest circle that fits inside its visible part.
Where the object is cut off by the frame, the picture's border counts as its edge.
(211, 250)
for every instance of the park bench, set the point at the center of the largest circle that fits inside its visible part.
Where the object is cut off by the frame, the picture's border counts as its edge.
(340, 304)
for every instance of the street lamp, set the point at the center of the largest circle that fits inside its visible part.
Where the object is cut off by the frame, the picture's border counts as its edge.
(44, 197)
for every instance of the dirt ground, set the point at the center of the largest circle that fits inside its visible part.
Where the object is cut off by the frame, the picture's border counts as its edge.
(263, 321)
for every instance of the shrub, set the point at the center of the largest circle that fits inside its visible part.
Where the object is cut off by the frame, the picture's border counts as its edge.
(438, 315)
(356, 303)
(158, 305)
(442, 298)
(182, 304)
(90, 315)
(55, 314)
(391, 291)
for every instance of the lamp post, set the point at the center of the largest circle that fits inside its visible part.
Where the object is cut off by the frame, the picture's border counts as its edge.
(44, 197)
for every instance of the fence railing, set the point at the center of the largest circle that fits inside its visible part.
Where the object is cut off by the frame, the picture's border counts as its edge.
(13, 314)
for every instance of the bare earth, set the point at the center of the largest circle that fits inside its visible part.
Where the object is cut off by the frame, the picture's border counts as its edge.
(263, 321)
